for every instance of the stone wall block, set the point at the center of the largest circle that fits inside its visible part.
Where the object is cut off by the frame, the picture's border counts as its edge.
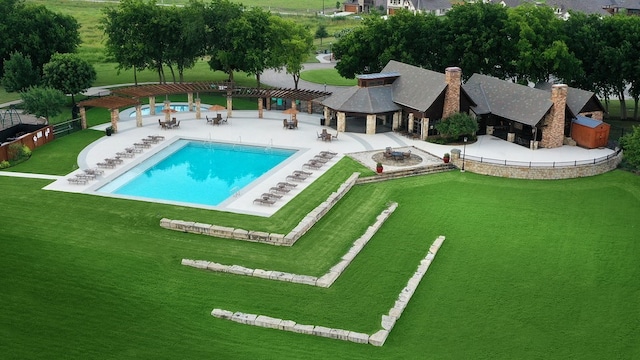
(378, 338)
(241, 234)
(187, 262)
(200, 264)
(165, 223)
(222, 314)
(240, 270)
(359, 338)
(276, 238)
(303, 329)
(322, 331)
(260, 236)
(287, 325)
(200, 228)
(394, 312)
(388, 322)
(264, 274)
(213, 266)
(342, 334)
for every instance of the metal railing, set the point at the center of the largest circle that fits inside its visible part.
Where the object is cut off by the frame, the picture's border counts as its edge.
(67, 127)
(551, 164)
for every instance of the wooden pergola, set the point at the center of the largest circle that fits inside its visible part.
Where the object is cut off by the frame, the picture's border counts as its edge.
(128, 96)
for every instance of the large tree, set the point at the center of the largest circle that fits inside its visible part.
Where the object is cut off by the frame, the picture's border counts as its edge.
(19, 73)
(292, 45)
(219, 17)
(36, 32)
(69, 74)
(43, 101)
(252, 41)
(188, 38)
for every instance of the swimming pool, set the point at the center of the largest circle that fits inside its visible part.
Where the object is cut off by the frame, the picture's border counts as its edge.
(197, 172)
(146, 110)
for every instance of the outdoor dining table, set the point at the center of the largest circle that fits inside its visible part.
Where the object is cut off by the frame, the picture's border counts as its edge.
(397, 155)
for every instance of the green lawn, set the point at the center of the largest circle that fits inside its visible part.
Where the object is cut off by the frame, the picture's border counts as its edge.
(327, 76)
(530, 269)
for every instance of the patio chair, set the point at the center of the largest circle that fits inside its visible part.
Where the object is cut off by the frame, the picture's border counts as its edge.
(176, 125)
(295, 123)
(387, 153)
(264, 201)
(285, 124)
(320, 136)
(224, 121)
(335, 137)
(209, 121)
(407, 154)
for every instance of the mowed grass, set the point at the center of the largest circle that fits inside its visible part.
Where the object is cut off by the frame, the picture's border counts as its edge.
(327, 76)
(530, 269)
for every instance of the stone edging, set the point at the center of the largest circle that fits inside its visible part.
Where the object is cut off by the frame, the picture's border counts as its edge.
(324, 281)
(260, 236)
(377, 339)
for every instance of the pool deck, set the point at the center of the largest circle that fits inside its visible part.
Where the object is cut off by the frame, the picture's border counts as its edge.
(245, 127)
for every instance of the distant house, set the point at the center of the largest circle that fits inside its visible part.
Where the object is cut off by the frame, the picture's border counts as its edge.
(413, 100)
(362, 6)
(436, 7)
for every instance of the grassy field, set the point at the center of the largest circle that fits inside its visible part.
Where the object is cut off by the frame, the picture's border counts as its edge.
(530, 269)
(327, 76)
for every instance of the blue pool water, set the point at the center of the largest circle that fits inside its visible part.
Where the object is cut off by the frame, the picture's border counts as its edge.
(145, 110)
(197, 172)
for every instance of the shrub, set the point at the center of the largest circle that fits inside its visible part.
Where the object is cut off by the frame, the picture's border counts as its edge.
(631, 145)
(457, 125)
(4, 164)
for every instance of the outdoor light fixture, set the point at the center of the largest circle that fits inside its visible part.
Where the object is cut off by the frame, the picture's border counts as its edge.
(325, 87)
(464, 153)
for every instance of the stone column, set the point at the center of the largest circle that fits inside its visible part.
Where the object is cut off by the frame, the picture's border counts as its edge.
(190, 100)
(198, 111)
(115, 114)
(410, 124)
(167, 113)
(310, 107)
(229, 104)
(327, 115)
(371, 124)
(268, 100)
(341, 126)
(260, 105)
(553, 132)
(396, 120)
(424, 131)
(453, 78)
(139, 115)
(152, 105)
(293, 106)
(83, 117)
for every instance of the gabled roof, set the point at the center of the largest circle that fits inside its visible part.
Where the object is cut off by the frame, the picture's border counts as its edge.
(577, 99)
(431, 5)
(416, 88)
(588, 122)
(587, 7)
(511, 101)
(365, 100)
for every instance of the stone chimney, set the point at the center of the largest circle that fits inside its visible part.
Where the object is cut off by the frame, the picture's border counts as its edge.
(553, 130)
(453, 78)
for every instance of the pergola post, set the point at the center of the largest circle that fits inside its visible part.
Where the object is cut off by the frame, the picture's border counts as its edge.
(327, 115)
(190, 100)
(198, 112)
(83, 117)
(410, 124)
(139, 115)
(309, 106)
(115, 114)
(293, 106)
(371, 124)
(269, 100)
(396, 120)
(341, 126)
(229, 103)
(152, 105)
(425, 129)
(166, 109)
(260, 105)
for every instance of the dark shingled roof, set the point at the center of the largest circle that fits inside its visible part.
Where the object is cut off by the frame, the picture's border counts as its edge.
(365, 100)
(511, 101)
(416, 88)
(431, 4)
(577, 99)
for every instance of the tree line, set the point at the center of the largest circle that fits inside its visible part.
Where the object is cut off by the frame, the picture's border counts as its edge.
(142, 35)
(525, 44)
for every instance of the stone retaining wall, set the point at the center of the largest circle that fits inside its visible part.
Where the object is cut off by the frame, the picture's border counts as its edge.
(378, 338)
(538, 172)
(260, 236)
(324, 281)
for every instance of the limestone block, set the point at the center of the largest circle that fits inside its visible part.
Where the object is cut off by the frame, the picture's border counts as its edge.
(341, 334)
(177, 225)
(388, 322)
(165, 223)
(413, 283)
(265, 274)
(327, 279)
(339, 267)
(429, 257)
(248, 319)
(187, 262)
(275, 275)
(240, 270)
(322, 331)
(304, 279)
(276, 238)
(259, 235)
(378, 338)
(349, 256)
(222, 314)
(303, 329)
(396, 313)
(187, 226)
(221, 231)
(241, 317)
(438, 242)
(240, 234)
(200, 228)
(362, 241)
(200, 264)
(267, 321)
(359, 338)
(285, 277)
(214, 266)
(287, 325)
(400, 305)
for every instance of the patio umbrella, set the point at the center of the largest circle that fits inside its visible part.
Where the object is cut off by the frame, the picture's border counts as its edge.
(216, 108)
(291, 111)
(167, 113)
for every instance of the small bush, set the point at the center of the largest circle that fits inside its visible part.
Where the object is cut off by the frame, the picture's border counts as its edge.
(4, 164)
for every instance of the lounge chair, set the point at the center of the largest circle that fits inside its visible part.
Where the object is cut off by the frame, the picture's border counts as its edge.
(303, 172)
(313, 165)
(297, 177)
(106, 165)
(271, 196)
(77, 181)
(279, 190)
(264, 201)
(320, 159)
(96, 172)
(327, 153)
(286, 184)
